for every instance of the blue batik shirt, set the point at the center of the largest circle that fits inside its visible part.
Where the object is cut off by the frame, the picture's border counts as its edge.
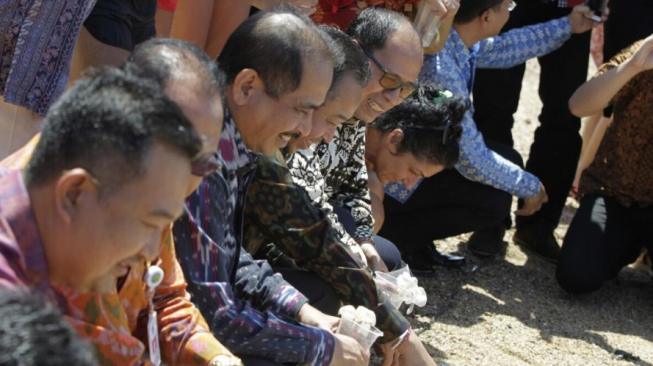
(453, 69)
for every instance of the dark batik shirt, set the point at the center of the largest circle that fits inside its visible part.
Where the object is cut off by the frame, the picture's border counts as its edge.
(279, 211)
(623, 165)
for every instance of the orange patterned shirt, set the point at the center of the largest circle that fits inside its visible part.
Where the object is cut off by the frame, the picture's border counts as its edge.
(115, 323)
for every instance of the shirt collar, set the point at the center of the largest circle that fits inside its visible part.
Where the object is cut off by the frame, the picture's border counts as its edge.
(16, 208)
(235, 155)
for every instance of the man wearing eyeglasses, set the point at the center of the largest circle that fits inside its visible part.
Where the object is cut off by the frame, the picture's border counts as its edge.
(478, 194)
(395, 55)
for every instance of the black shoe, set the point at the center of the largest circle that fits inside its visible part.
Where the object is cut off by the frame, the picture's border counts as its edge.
(487, 242)
(448, 260)
(424, 260)
(539, 240)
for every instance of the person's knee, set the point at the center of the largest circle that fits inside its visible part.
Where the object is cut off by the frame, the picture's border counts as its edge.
(576, 279)
(388, 252)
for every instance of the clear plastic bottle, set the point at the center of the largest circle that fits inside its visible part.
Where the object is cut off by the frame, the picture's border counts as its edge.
(426, 23)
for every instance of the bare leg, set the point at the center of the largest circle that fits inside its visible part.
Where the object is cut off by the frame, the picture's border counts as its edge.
(227, 16)
(192, 21)
(90, 52)
(163, 21)
(17, 126)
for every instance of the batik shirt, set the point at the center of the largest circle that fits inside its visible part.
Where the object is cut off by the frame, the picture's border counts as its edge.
(113, 322)
(37, 39)
(304, 167)
(453, 69)
(623, 166)
(279, 211)
(343, 172)
(249, 307)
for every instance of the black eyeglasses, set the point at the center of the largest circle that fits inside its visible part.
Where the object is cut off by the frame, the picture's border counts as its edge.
(205, 165)
(392, 81)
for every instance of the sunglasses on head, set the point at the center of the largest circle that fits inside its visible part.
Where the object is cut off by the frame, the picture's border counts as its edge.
(445, 129)
(392, 81)
(204, 165)
(442, 96)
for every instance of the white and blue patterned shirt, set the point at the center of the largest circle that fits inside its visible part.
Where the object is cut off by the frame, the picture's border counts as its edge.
(453, 69)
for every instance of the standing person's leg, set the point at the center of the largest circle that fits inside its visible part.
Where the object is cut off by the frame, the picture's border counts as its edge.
(17, 126)
(494, 109)
(494, 106)
(629, 21)
(599, 242)
(556, 148)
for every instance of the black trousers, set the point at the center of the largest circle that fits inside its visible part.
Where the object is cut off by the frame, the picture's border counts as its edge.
(629, 21)
(255, 361)
(603, 237)
(445, 205)
(556, 147)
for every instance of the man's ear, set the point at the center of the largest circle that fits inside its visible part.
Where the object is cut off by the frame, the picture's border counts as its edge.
(246, 87)
(486, 16)
(71, 190)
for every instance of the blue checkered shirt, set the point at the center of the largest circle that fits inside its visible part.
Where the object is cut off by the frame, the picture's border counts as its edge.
(453, 69)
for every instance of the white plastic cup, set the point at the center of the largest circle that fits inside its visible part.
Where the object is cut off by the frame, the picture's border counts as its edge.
(387, 283)
(364, 334)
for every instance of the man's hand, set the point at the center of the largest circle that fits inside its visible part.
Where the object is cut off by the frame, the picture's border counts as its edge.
(311, 316)
(374, 260)
(642, 60)
(579, 19)
(533, 204)
(348, 352)
(410, 352)
(451, 8)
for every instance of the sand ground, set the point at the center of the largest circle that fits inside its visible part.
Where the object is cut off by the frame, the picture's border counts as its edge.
(510, 310)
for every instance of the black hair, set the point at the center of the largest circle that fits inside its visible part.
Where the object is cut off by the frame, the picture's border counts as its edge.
(471, 9)
(33, 333)
(165, 59)
(277, 44)
(424, 117)
(374, 26)
(106, 124)
(349, 57)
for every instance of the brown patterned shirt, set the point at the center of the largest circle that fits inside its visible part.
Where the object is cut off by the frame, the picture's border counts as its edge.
(623, 166)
